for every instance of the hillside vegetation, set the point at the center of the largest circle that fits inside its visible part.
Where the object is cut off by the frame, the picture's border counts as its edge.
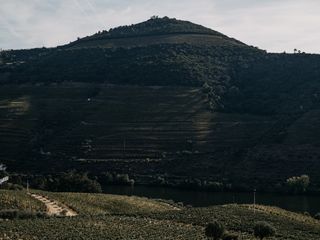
(154, 31)
(97, 204)
(150, 133)
(155, 221)
(18, 200)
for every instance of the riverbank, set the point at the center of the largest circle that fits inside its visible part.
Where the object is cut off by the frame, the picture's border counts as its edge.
(296, 203)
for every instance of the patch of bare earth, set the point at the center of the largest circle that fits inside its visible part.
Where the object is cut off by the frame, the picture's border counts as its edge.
(54, 208)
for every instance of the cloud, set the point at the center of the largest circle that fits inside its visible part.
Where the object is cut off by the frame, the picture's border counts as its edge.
(272, 25)
(276, 26)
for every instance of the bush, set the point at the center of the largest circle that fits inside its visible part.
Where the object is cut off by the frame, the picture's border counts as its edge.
(263, 230)
(115, 179)
(64, 212)
(11, 186)
(214, 230)
(71, 181)
(213, 186)
(317, 216)
(75, 182)
(17, 214)
(230, 236)
(307, 214)
(8, 214)
(298, 184)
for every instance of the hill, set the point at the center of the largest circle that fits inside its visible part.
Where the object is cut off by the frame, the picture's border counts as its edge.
(160, 51)
(155, 31)
(140, 218)
(165, 101)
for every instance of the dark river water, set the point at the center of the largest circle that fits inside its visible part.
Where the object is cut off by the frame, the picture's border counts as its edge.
(309, 204)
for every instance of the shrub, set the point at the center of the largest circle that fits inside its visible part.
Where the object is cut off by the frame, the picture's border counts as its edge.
(17, 214)
(8, 214)
(307, 214)
(214, 230)
(317, 216)
(64, 212)
(77, 182)
(106, 178)
(230, 236)
(116, 179)
(123, 179)
(263, 230)
(11, 186)
(298, 184)
(213, 186)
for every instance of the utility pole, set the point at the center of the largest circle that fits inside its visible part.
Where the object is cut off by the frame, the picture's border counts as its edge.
(124, 146)
(28, 194)
(254, 201)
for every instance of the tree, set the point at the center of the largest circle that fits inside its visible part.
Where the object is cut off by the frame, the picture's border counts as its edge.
(76, 182)
(230, 236)
(263, 230)
(298, 184)
(214, 230)
(317, 216)
(3, 172)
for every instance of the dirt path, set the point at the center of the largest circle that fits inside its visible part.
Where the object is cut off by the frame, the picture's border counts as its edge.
(54, 208)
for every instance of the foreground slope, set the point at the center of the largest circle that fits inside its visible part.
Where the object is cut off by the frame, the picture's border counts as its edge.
(19, 200)
(156, 221)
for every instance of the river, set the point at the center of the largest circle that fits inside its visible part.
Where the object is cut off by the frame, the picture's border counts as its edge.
(302, 204)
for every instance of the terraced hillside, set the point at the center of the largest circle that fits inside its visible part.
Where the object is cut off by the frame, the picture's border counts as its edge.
(146, 131)
(173, 38)
(133, 123)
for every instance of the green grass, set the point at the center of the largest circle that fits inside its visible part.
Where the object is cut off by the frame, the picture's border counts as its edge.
(119, 217)
(93, 204)
(99, 228)
(19, 200)
(241, 219)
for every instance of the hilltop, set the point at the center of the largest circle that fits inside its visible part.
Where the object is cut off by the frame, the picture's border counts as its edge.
(155, 31)
(160, 51)
(166, 101)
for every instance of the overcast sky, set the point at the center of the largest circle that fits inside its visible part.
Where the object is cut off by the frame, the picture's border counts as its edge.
(273, 25)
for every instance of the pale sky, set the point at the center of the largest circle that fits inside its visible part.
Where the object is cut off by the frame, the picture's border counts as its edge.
(273, 25)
